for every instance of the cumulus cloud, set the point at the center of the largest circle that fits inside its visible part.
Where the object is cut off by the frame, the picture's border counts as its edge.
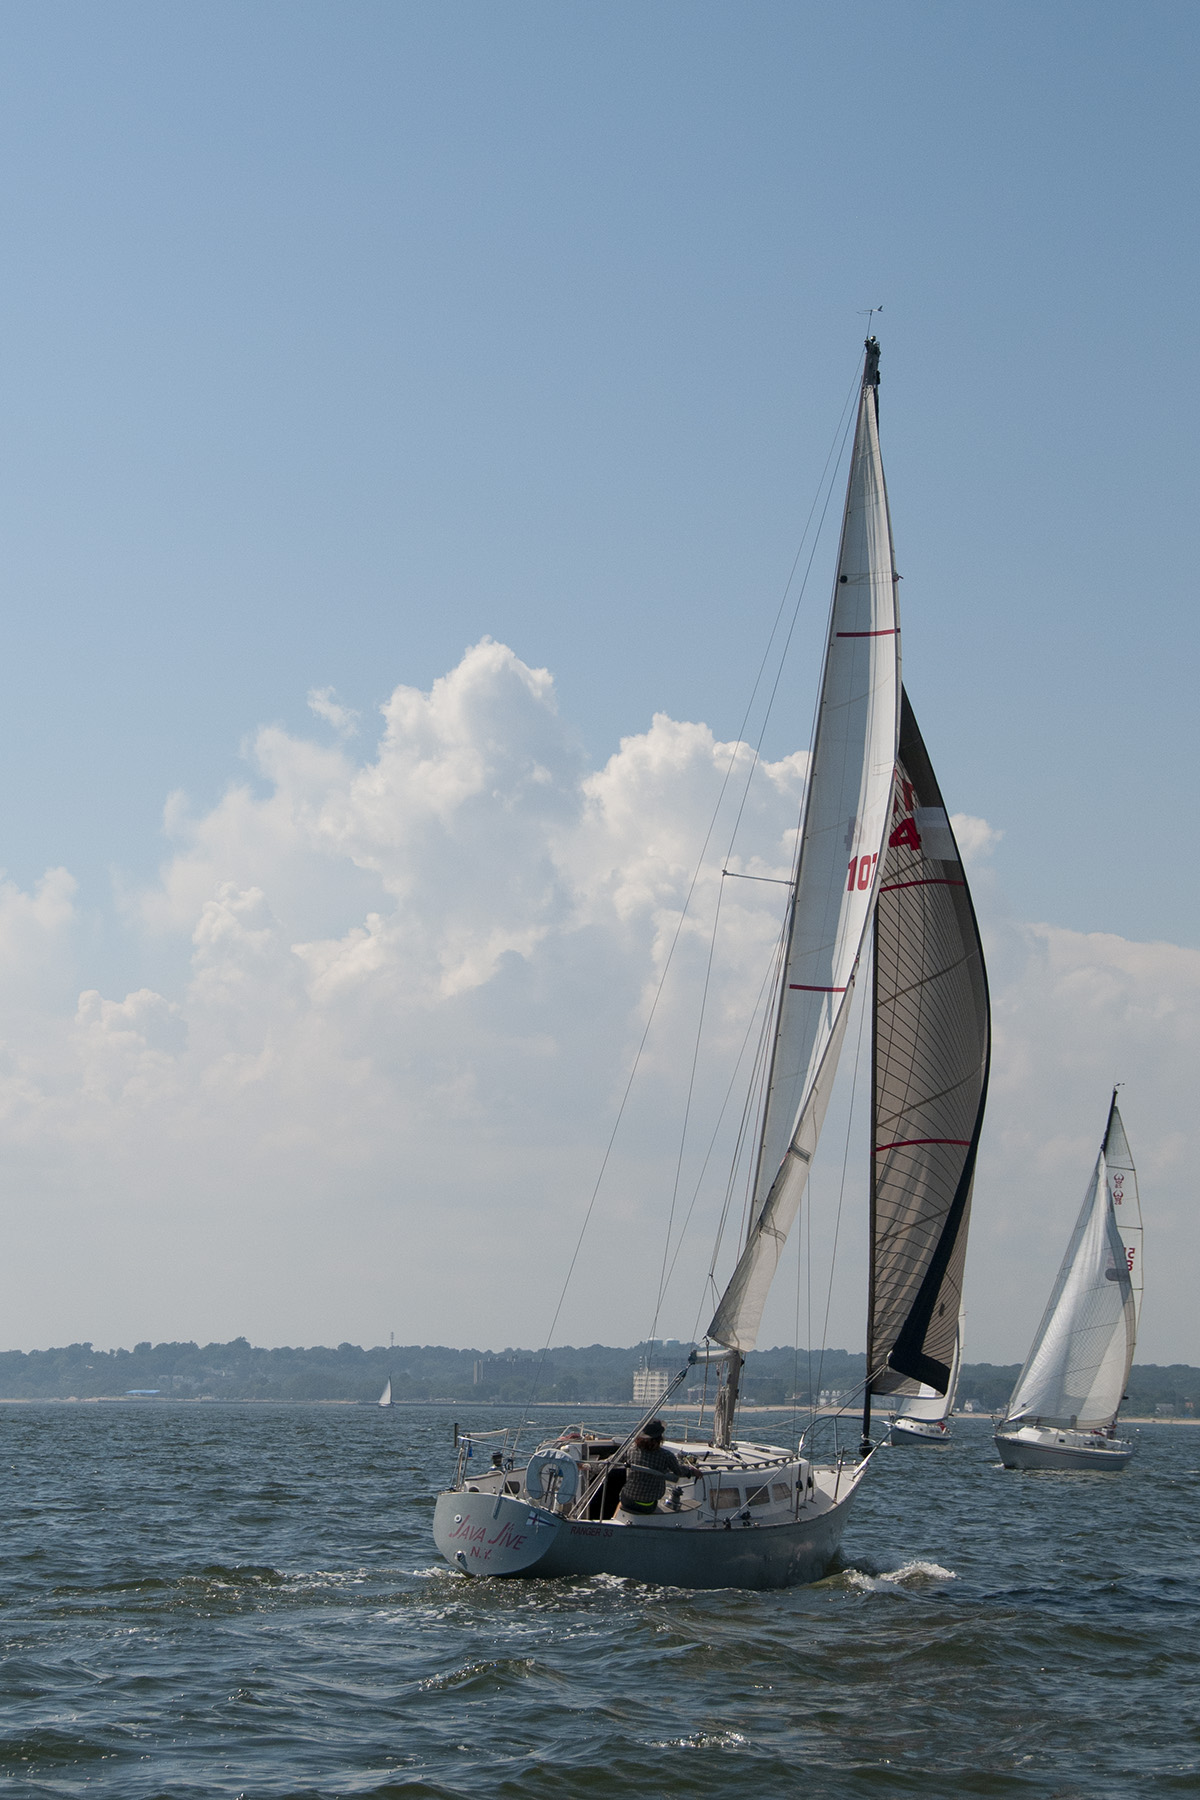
(975, 837)
(416, 978)
(325, 704)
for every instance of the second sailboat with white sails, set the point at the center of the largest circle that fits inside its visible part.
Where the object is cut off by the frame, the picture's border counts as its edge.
(878, 870)
(1063, 1410)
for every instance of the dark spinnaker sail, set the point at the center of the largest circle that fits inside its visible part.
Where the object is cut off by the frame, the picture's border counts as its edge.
(931, 1044)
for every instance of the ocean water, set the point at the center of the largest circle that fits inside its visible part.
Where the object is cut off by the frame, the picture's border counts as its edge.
(245, 1601)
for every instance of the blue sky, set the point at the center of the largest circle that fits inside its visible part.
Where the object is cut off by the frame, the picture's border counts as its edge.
(334, 338)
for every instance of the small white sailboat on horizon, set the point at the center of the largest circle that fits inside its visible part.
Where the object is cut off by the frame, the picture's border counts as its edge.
(924, 1417)
(385, 1399)
(878, 880)
(1063, 1410)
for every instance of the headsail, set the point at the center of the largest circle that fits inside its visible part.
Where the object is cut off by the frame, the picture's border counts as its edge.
(931, 1041)
(926, 1402)
(1079, 1364)
(1127, 1210)
(846, 819)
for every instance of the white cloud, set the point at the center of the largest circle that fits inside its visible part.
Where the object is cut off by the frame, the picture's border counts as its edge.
(324, 704)
(976, 838)
(417, 976)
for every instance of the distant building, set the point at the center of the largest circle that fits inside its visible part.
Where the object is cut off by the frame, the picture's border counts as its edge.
(649, 1386)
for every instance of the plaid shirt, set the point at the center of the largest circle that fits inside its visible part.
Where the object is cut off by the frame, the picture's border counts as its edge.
(648, 1474)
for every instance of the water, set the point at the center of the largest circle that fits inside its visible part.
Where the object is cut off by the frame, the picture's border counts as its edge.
(224, 1601)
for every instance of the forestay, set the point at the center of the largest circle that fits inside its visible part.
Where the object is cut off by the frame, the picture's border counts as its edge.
(841, 848)
(931, 1041)
(1081, 1357)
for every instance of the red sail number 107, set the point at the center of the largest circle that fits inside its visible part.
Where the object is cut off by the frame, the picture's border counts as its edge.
(861, 870)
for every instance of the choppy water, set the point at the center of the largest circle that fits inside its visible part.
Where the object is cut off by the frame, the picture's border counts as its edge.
(222, 1600)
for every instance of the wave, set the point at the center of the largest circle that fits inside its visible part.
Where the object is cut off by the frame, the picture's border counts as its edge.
(910, 1573)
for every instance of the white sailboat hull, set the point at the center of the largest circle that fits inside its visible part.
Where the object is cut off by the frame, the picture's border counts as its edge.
(918, 1431)
(501, 1534)
(1046, 1447)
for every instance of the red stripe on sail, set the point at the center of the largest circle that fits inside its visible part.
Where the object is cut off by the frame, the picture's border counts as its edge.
(908, 1143)
(803, 987)
(890, 887)
(890, 632)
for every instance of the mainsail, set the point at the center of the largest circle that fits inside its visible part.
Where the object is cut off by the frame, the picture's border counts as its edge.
(1076, 1371)
(931, 1036)
(845, 824)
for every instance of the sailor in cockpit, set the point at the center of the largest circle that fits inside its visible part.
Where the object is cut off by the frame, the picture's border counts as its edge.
(649, 1469)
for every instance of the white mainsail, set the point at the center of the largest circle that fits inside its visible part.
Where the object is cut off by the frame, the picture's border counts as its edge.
(1076, 1371)
(385, 1399)
(845, 825)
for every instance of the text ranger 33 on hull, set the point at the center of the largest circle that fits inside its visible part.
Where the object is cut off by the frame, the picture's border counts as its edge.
(1063, 1410)
(877, 861)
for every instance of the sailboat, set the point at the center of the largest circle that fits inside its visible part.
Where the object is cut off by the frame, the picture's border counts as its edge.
(385, 1399)
(1063, 1410)
(924, 1416)
(877, 866)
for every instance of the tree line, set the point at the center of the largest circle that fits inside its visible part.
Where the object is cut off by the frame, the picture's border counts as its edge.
(593, 1373)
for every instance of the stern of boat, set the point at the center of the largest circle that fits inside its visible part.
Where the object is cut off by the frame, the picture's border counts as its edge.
(492, 1534)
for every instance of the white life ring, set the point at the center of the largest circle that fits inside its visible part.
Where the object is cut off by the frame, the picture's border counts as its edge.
(544, 1466)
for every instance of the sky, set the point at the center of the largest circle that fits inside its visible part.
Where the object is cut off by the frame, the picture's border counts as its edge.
(409, 420)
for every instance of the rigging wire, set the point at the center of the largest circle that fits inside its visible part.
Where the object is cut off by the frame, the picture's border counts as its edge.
(796, 1334)
(838, 444)
(748, 1110)
(808, 1213)
(827, 483)
(844, 424)
(752, 1109)
(862, 1019)
(687, 1113)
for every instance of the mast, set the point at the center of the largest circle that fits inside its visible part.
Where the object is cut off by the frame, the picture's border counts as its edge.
(842, 839)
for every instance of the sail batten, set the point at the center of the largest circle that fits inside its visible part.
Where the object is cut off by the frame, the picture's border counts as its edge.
(930, 1054)
(844, 824)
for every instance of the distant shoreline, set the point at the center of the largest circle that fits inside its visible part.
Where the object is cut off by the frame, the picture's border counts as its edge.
(683, 1413)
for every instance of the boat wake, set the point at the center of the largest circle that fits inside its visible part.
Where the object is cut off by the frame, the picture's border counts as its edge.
(908, 1574)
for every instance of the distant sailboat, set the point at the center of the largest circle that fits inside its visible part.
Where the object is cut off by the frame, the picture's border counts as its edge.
(924, 1416)
(1063, 1410)
(385, 1399)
